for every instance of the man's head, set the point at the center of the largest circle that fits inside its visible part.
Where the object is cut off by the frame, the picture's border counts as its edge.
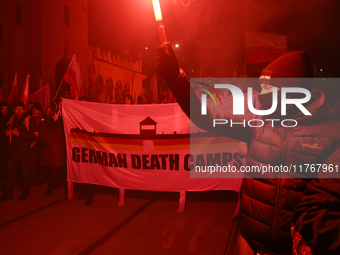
(128, 99)
(65, 95)
(293, 64)
(48, 111)
(4, 108)
(36, 109)
(30, 105)
(19, 109)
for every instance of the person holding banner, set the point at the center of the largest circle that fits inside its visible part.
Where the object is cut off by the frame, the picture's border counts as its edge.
(22, 135)
(37, 176)
(4, 117)
(52, 149)
(267, 200)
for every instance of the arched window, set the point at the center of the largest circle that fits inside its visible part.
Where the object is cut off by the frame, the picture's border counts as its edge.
(98, 86)
(118, 92)
(109, 90)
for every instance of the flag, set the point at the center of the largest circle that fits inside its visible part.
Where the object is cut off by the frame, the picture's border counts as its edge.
(25, 91)
(41, 83)
(42, 96)
(152, 90)
(263, 47)
(13, 97)
(73, 77)
(7, 84)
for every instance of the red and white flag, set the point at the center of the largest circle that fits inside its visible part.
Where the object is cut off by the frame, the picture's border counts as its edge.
(13, 96)
(25, 91)
(42, 96)
(152, 90)
(73, 77)
(263, 47)
(41, 83)
(7, 83)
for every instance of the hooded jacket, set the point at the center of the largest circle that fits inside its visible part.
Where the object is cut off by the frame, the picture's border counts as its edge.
(20, 147)
(317, 216)
(267, 201)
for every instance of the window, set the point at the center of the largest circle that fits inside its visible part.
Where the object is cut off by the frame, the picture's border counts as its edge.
(67, 17)
(18, 14)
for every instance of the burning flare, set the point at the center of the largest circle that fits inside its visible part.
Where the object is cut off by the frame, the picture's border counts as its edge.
(157, 10)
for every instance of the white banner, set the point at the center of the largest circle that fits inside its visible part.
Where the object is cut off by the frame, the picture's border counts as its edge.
(142, 147)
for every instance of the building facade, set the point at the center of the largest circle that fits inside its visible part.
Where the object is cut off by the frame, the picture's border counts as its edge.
(37, 34)
(115, 77)
(39, 37)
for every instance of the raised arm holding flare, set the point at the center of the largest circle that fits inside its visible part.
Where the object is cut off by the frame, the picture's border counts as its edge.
(267, 201)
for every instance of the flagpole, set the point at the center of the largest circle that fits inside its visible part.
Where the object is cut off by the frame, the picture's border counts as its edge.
(245, 61)
(55, 97)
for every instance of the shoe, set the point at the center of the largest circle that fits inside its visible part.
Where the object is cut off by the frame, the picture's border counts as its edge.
(39, 183)
(57, 186)
(23, 196)
(81, 197)
(48, 193)
(4, 198)
(88, 201)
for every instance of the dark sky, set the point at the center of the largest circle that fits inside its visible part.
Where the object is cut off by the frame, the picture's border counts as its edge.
(114, 24)
(211, 32)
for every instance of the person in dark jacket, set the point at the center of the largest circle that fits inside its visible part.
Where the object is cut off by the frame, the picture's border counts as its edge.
(37, 176)
(53, 153)
(4, 117)
(267, 201)
(37, 113)
(22, 134)
(29, 107)
(317, 216)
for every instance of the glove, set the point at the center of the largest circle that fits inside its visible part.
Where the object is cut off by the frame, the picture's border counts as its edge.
(166, 62)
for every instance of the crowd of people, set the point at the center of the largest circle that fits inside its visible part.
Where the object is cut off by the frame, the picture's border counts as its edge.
(279, 213)
(32, 149)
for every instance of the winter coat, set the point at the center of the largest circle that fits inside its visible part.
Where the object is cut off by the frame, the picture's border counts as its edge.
(38, 119)
(3, 139)
(51, 141)
(21, 147)
(317, 216)
(267, 201)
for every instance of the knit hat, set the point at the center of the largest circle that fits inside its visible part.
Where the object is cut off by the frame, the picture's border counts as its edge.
(4, 103)
(294, 64)
(19, 103)
(37, 106)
